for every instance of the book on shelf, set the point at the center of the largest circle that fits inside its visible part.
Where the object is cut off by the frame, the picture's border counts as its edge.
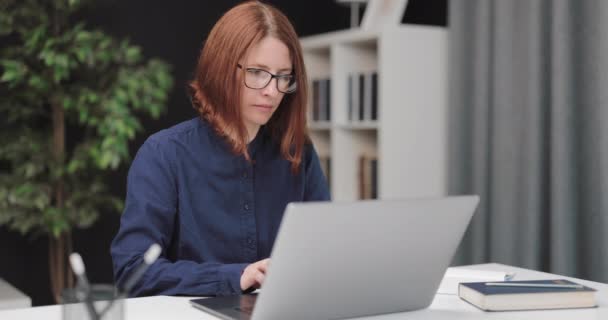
(353, 97)
(374, 94)
(374, 178)
(321, 100)
(363, 96)
(368, 177)
(326, 97)
(315, 100)
(328, 100)
(367, 96)
(527, 295)
(325, 162)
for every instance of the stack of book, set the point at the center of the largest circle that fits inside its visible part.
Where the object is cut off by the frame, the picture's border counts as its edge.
(321, 100)
(363, 96)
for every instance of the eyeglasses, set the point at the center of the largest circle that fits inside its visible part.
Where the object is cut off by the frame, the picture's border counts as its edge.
(259, 79)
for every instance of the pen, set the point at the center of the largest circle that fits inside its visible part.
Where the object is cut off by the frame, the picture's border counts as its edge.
(534, 285)
(83, 292)
(149, 258)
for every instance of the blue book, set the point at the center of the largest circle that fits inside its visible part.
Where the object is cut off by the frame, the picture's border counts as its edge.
(527, 295)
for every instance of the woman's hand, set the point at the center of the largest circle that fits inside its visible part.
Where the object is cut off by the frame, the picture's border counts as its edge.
(254, 274)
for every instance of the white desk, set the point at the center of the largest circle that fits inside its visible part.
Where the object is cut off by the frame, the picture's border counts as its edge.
(11, 297)
(443, 307)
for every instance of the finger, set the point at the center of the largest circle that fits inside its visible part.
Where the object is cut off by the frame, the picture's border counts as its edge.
(264, 265)
(259, 278)
(251, 281)
(248, 277)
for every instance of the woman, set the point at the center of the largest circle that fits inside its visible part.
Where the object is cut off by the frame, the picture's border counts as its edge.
(212, 190)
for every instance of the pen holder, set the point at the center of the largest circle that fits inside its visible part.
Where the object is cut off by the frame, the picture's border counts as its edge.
(102, 303)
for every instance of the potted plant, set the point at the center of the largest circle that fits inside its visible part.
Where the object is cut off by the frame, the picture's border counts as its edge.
(58, 79)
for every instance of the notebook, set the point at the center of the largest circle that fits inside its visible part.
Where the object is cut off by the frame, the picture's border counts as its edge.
(511, 298)
(455, 275)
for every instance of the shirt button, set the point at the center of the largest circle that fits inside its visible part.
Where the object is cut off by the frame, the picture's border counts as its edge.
(245, 175)
(249, 241)
(246, 206)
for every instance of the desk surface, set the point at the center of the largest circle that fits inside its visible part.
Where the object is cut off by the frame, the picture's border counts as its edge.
(443, 306)
(11, 298)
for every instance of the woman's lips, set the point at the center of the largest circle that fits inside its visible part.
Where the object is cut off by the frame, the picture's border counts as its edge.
(263, 107)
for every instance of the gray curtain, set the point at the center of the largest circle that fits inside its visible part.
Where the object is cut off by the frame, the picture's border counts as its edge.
(529, 132)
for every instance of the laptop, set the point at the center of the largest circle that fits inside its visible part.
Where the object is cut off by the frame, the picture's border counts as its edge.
(335, 260)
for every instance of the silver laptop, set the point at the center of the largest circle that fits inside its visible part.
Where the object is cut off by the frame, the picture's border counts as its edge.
(336, 260)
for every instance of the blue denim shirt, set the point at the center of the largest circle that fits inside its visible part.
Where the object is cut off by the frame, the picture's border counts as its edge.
(212, 212)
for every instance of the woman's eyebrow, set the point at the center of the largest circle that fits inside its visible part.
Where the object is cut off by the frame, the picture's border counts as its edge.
(263, 66)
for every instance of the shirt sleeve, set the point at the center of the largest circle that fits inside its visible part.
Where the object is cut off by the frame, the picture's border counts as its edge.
(149, 217)
(316, 188)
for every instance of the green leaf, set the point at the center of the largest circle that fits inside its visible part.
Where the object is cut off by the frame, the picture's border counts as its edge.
(83, 36)
(34, 38)
(23, 190)
(13, 70)
(9, 76)
(92, 97)
(81, 54)
(133, 54)
(122, 96)
(108, 142)
(62, 61)
(117, 204)
(74, 165)
(48, 57)
(38, 83)
(42, 201)
(83, 115)
(68, 103)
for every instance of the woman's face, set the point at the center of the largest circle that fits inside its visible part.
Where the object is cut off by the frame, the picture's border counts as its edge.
(270, 55)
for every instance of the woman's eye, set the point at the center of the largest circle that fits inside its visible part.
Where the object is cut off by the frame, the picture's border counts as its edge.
(257, 73)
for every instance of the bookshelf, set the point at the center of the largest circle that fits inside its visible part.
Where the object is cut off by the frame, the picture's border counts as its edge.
(408, 137)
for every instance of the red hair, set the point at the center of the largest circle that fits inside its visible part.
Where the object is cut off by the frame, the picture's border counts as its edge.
(216, 87)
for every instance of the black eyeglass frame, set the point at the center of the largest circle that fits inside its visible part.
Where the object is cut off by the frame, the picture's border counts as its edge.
(272, 76)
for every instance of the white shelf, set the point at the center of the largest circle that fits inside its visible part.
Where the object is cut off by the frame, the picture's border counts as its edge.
(353, 125)
(360, 125)
(350, 36)
(319, 125)
(409, 137)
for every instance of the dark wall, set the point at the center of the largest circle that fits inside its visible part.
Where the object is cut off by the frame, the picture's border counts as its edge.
(174, 32)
